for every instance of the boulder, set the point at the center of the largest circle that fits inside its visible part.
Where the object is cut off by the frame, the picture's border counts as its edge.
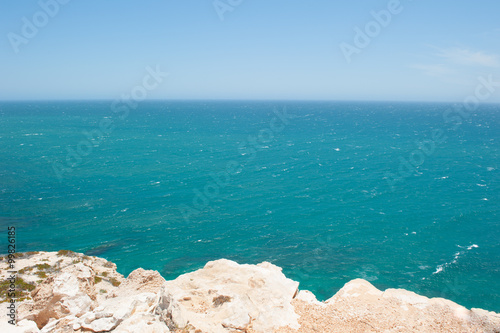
(23, 326)
(62, 325)
(135, 296)
(68, 292)
(141, 281)
(144, 323)
(308, 297)
(113, 311)
(27, 326)
(225, 296)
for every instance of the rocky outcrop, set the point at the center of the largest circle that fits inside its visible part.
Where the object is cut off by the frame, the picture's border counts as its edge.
(69, 293)
(360, 307)
(227, 297)
(77, 293)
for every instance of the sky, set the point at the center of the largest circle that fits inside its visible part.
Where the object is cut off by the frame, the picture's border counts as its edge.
(420, 50)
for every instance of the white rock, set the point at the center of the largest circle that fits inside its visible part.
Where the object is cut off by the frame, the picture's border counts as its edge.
(142, 322)
(88, 318)
(115, 310)
(23, 326)
(68, 292)
(309, 297)
(224, 296)
(28, 326)
(101, 325)
(355, 288)
(407, 297)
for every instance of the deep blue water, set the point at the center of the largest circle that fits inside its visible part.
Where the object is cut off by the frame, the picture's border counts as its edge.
(172, 185)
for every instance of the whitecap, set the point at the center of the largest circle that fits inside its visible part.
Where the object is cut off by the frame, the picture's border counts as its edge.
(439, 269)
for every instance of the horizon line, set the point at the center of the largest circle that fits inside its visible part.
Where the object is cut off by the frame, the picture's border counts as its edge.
(241, 100)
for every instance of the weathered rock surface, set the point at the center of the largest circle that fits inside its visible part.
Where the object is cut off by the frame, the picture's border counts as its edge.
(70, 292)
(141, 281)
(78, 293)
(360, 307)
(224, 297)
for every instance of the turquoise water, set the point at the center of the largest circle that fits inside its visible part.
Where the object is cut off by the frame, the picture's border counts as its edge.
(172, 185)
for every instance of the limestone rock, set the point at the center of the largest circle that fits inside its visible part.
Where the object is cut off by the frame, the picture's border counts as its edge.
(141, 281)
(28, 326)
(308, 297)
(144, 323)
(487, 319)
(113, 311)
(354, 289)
(221, 297)
(225, 296)
(132, 297)
(23, 326)
(360, 307)
(69, 292)
(62, 325)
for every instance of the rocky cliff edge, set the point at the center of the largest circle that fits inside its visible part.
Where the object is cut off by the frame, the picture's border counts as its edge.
(70, 292)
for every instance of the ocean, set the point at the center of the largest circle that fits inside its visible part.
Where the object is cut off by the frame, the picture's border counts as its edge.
(404, 195)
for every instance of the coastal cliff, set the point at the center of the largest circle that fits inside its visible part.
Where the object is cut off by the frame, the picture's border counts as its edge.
(71, 292)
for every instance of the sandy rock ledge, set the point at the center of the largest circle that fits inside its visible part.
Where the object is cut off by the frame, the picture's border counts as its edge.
(70, 292)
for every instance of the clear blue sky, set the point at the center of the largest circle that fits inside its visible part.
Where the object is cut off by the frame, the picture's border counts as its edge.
(263, 49)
